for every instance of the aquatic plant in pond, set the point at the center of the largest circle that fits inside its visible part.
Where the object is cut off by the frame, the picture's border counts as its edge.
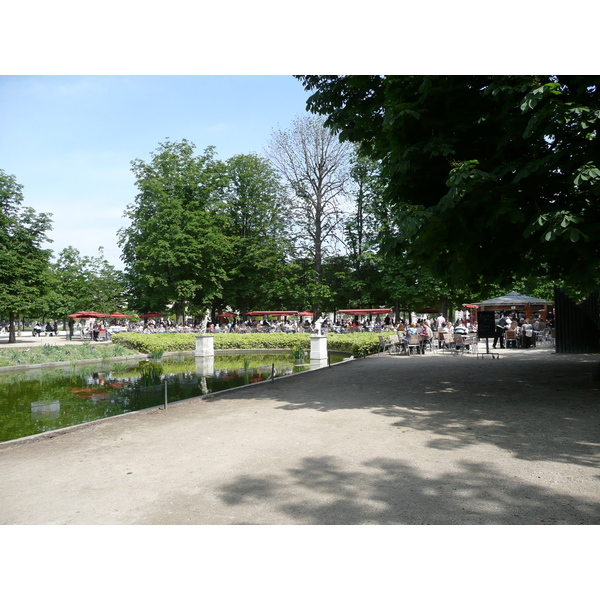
(48, 353)
(150, 372)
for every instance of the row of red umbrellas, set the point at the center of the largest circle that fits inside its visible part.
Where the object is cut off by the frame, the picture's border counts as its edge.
(89, 314)
(275, 313)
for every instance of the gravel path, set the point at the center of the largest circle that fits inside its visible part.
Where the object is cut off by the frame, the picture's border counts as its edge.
(437, 439)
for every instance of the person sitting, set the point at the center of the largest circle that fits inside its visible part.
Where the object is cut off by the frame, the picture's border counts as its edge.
(460, 328)
(426, 337)
(528, 335)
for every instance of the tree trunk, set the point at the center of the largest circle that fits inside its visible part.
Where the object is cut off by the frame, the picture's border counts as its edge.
(179, 312)
(443, 307)
(12, 338)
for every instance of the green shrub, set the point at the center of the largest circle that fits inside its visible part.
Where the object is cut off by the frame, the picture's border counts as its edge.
(186, 342)
(358, 344)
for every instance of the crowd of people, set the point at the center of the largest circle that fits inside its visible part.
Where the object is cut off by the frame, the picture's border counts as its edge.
(525, 330)
(513, 330)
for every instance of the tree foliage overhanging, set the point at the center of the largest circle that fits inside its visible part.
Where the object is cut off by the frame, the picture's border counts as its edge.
(465, 188)
(487, 175)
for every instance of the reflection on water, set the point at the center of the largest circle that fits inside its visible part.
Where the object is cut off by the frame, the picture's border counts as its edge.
(43, 400)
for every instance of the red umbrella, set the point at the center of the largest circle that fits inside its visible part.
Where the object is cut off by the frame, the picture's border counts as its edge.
(119, 315)
(305, 313)
(227, 315)
(151, 315)
(87, 314)
(365, 311)
(275, 313)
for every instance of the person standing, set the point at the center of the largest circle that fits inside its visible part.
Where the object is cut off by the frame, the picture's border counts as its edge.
(501, 326)
(440, 321)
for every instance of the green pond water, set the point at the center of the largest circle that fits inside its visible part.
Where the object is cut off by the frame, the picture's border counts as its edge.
(42, 400)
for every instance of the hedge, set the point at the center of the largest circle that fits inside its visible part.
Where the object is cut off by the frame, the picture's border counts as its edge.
(358, 344)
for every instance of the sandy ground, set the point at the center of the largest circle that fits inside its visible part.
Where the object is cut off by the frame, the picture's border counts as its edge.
(434, 439)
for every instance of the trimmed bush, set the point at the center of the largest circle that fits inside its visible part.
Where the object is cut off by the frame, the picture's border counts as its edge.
(358, 344)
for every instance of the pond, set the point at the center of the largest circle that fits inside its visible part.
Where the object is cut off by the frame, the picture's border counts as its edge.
(42, 400)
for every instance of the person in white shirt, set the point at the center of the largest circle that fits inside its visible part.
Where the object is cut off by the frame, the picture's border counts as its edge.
(440, 321)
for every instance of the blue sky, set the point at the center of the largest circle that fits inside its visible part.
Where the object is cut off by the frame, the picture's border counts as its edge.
(70, 140)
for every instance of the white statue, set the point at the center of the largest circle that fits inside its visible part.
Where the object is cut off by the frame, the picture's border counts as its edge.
(318, 324)
(203, 326)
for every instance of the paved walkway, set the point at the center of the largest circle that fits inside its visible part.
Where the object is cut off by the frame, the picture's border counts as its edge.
(26, 340)
(437, 439)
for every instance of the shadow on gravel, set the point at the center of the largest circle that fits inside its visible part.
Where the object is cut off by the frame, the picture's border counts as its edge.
(537, 409)
(318, 491)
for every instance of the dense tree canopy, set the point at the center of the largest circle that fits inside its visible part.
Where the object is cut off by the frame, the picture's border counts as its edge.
(254, 210)
(176, 248)
(24, 263)
(492, 175)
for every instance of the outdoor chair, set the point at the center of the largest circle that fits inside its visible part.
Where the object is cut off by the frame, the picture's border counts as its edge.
(428, 343)
(448, 342)
(413, 341)
(512, 339)
(384, 344)
(471, 343)
(459, 343)
(394, 345)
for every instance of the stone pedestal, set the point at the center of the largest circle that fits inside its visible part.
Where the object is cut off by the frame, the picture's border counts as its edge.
(318, 347)
(205, 345)
(205, 365)
(318, 363)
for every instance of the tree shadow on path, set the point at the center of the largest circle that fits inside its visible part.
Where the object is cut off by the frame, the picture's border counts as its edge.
(539, 410)
(385, 492)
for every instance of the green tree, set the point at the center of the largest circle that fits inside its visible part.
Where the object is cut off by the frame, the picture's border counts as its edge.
(76, 282)
(106, 285)
(489, 175)
(24, 264)
(255, 217)
(175, 249)
(68, 288)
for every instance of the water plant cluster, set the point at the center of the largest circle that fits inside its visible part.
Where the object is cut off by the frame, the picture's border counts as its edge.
(49, 353)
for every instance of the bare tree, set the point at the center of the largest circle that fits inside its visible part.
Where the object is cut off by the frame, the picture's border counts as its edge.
(315, 166)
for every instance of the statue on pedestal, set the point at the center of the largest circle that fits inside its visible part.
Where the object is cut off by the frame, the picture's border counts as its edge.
(318, 325)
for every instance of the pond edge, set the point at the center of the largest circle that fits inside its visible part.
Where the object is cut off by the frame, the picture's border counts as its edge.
(64, 430)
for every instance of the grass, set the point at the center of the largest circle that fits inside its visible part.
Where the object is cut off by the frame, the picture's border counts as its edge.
(47, 354)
